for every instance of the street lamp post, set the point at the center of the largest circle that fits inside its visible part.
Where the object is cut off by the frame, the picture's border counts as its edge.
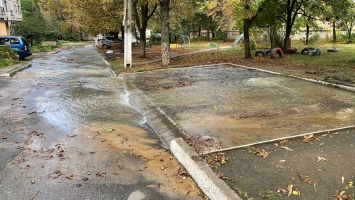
(127, 19)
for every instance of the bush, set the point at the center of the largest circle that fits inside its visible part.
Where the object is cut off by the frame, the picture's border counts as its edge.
(312, 40)
(39, 48)
(6, 53)
(7, 56)
(345, 38)
(220, 36)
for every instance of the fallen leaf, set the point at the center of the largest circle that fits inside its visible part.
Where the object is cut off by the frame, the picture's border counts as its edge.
(296, 193)
(287, 148)
(342, 179)
(71, 176)
(33, 112)
(100, 174)
(321, 159)
(309, 138)
(223, 161)
(282, 190)
(263, 153)
(289, 188)
(55, 174)
(72, 135)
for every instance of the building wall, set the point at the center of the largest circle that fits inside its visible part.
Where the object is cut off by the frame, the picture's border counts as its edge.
(10, 12)
(4, 30)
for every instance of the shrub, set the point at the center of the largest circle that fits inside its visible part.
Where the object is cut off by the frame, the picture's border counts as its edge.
(6, 53)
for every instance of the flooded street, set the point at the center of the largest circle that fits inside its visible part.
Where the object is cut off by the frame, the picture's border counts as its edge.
(81, 91)
(239, 106)
(69, 131)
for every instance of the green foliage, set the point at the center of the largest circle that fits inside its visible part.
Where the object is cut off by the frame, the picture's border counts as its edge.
(312, 40)
(5, 52)
(52, 35)
(220, 36)
(346, 39)
(38, 48)
(197, 39)
(7, 56)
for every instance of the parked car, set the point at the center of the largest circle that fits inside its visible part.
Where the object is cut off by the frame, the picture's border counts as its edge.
(107, 40)
(17, 43)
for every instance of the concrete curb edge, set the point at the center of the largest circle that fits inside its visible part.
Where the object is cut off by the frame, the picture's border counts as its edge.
(205, 178)
(14, 71)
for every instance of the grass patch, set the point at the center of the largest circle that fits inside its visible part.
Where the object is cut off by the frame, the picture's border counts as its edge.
(4, 63)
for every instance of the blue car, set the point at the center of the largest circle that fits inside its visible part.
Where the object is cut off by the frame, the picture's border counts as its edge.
(17, 43)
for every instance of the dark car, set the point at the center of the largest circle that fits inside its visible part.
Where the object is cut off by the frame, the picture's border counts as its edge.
(107, 40)
(17, 43)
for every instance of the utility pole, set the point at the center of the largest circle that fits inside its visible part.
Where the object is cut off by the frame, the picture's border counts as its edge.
(127, 21)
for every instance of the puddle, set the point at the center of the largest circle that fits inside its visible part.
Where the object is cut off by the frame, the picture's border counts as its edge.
(239, 106)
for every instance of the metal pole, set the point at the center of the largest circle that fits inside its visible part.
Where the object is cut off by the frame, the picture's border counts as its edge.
(127, 33)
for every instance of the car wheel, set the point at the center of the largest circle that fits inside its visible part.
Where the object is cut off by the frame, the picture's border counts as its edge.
(18, 56)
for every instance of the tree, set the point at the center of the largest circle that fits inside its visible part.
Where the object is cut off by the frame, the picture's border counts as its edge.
(291, 8)
(33, 26)
(311, 11)
(165, 42)
(142, 18)
(250, 11)
(334, 10)
(75, 17)
(348, 19)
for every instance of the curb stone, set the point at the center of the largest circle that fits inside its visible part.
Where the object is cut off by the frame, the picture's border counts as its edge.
(205, 178)
(15, 70)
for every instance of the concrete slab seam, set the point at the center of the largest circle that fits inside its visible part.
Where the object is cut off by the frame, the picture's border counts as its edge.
(205, 178)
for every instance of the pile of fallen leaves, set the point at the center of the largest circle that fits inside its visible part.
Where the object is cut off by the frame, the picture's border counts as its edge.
(216, 160)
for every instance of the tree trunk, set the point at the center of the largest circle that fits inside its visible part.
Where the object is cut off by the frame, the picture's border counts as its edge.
(334, 33)
(143, 23)
(208, 31)
(307, 34)
(165, 45)
(246, 27)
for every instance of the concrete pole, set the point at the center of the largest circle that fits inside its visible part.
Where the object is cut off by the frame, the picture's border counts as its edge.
(127, 21)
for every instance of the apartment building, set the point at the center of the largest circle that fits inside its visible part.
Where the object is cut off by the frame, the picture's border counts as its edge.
(10, 13)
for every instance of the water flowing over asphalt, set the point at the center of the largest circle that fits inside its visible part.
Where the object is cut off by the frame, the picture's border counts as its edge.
(87, 94)
(240, 106)
(70, 131)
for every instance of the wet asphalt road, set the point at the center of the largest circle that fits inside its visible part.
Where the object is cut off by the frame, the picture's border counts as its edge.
(48, 146)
